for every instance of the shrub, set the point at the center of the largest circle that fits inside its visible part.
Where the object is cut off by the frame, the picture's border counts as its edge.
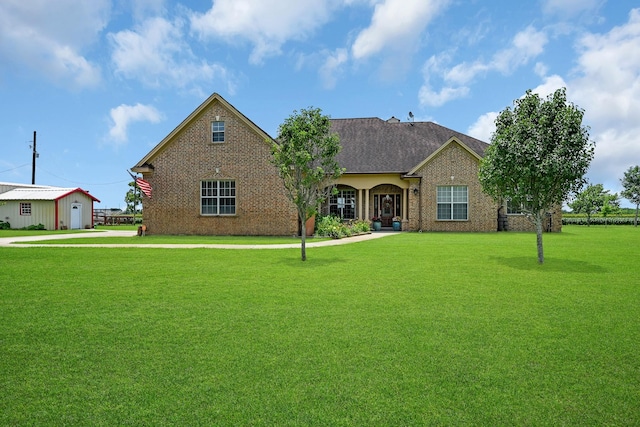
(332, 226)
(34, 227)
(4, 225)
(618, 220)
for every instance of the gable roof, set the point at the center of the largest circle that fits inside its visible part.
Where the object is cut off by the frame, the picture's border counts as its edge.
(42, 193)
(141, 166)
(373, 145)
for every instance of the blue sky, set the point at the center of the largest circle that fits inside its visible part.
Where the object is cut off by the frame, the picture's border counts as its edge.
(103, 81)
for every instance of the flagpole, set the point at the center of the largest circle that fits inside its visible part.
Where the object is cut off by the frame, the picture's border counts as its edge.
(135, 194)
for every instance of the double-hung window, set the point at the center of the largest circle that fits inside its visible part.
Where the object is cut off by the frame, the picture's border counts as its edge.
(217, 131)
(218, 197)
(453, 202)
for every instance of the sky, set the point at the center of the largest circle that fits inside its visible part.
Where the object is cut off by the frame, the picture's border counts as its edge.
(103, 81)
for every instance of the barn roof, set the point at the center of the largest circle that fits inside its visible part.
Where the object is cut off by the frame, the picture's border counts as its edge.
(42, 193)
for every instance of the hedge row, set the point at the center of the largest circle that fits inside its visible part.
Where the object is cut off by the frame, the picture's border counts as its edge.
(598, 221)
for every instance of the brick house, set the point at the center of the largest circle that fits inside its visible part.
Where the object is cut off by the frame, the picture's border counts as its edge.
(212, 175)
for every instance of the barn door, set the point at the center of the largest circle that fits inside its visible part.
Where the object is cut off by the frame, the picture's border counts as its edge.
(76, 216)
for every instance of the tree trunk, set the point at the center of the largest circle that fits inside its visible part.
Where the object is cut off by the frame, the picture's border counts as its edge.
(303, 237)
(635, 221)
(538, 221)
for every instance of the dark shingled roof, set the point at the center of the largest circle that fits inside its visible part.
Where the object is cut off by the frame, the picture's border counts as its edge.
(373, 145)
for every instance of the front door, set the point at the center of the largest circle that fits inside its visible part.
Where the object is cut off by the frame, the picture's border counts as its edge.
(76, 216)
(389, 207)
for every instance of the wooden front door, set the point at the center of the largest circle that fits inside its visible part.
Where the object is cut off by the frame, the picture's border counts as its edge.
(389, 207)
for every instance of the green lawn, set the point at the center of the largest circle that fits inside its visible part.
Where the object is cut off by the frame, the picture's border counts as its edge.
(412, 329)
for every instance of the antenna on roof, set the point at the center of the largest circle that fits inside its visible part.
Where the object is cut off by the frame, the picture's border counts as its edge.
(410, 119)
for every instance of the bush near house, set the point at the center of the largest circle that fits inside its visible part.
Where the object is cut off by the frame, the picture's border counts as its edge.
(332, 226)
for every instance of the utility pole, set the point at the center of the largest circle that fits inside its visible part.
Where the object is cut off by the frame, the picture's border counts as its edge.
(33, 164)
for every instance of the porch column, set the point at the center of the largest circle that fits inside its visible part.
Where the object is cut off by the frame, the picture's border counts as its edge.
(405, 205)
(366, 204)
(360, 203)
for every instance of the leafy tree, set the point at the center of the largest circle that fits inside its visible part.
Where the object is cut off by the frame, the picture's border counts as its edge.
(538, 155)
(133, 199)
(592, 200)
(631, 185)
(304, 154)
(611, 205)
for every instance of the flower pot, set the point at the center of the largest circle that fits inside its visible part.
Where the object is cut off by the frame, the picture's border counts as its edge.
(377, 225)
(310, 226)
(397, 226)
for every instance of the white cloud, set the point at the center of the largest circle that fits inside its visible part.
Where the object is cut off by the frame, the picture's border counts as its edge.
(549, 85)
(123, 115)
(266, 24)
(606, 84)
(525, 46)
(428, 96)
(569, 8)
(395, 24)
(332, 67)
(484, 127)
(435, 66)
(157, 54)
(49, 38)
(607, 87)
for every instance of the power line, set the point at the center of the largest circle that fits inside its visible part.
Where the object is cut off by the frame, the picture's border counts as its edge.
(17, 167)
(83, 183)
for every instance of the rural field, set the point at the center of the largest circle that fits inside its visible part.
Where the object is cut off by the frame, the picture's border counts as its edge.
(410, 329)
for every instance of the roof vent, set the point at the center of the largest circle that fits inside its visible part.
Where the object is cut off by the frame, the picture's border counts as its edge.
(393, 119)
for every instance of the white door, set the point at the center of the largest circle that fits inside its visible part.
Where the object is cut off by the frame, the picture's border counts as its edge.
(76, 216)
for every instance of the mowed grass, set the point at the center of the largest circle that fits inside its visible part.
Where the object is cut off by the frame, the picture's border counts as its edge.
(412, 329)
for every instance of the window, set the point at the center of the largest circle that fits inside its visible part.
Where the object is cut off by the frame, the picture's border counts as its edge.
(452, 202)
(343, 204)
(25, 209)
(217, 131)
(218, 197)
(513, 209)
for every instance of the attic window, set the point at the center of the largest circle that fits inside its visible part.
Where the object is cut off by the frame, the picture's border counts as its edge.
(217, 131)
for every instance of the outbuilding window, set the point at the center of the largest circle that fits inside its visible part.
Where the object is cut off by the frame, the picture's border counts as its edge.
(452, 203)
(25, 209)
(218, 197)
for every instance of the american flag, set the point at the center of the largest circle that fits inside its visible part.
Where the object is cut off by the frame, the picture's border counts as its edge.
(144, 186)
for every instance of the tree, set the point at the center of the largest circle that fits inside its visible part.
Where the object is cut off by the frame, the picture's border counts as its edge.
(592, 200)
(611, 205)
(631, 185)
(538, 155)
(304, 154)
(133, 199)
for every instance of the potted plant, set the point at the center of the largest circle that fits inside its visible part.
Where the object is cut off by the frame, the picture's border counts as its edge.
(377, 223)
(397, 223)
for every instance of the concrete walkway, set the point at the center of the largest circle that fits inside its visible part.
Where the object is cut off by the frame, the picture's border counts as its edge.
(8, 241)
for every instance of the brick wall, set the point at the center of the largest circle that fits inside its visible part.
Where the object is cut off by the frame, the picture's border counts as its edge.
(522, 223)
(454, 165)
(262, 207)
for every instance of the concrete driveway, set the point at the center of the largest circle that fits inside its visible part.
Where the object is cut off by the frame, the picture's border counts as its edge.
(9, 241)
